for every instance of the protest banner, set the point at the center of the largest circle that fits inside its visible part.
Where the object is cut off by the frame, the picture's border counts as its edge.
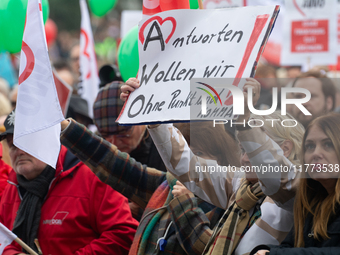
(178, 45)
(337, 67)
(64, 91)
(272, 52)
(309, 33)
(38, 113)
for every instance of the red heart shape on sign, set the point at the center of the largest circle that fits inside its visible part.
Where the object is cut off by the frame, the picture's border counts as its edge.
(160, 21)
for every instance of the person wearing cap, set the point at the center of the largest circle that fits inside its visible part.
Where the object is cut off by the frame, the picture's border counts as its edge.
(67, 209)
(134, 140)
(108, 74)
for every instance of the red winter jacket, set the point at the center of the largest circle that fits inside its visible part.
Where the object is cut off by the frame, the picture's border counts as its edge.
(80, 214)
(4, 172)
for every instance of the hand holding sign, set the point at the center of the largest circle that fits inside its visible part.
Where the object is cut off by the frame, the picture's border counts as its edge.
(254, 87)
(130, 86)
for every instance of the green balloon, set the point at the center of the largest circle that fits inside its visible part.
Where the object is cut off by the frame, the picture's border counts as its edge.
(101, 7)
(2, 47)
(45, 10)
(12, 22)
(127, 56)
(193, 4)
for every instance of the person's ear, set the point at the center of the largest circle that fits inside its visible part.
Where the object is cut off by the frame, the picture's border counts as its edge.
(287, 147)
(329, 104)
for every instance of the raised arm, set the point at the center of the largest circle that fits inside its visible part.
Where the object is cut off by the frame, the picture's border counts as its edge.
(215, 187)
(132, 179)
(275, 172)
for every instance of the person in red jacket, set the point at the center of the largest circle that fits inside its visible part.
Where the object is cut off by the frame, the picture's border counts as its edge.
(67, 209)
(4, 172)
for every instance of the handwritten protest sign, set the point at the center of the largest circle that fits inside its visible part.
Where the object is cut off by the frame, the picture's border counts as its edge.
(272, 52)
(309, 32)
(176, 46)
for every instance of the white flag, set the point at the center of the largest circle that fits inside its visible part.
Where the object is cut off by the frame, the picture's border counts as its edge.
(6, 237)
(38, 113)
(88, 62)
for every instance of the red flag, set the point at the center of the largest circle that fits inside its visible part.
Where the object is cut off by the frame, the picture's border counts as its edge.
(64, 91)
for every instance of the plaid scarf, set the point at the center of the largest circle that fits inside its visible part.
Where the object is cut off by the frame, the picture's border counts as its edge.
(161, 197)
(227, 232)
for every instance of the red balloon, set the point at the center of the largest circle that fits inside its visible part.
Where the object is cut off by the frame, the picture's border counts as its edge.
(51, 31)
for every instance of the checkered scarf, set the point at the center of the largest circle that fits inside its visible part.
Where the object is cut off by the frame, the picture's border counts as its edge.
(228, 231)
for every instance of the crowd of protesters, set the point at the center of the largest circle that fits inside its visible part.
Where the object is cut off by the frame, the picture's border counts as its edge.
(137, 190)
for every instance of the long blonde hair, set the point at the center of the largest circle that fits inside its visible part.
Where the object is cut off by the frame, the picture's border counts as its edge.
(311, 196)
(279, 133)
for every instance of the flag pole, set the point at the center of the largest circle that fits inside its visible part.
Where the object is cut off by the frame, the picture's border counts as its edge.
(200, 4)
(25, 246)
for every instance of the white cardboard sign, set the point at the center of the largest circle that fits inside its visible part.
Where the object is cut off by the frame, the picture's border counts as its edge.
(178, 45)
(309, 32)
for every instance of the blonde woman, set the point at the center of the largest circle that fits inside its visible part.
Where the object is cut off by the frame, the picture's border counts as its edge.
(316, 209)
